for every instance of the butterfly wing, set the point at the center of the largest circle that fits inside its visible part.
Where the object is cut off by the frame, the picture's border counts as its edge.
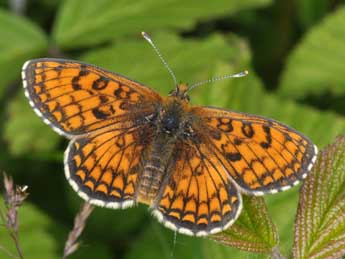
(75, 98)
(197, 197)
(261, 155)
(105, 115)
(226, 152)
(103, 168)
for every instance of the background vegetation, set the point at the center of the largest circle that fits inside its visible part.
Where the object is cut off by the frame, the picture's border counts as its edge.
(294, 51)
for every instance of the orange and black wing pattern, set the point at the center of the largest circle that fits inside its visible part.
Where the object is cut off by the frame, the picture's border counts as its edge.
(103, 168)
(198, 196)
(104, 115)
(75, 98)
(261, 155)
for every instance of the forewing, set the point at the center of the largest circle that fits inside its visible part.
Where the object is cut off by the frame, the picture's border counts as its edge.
(103, 168)
(76, 98)
(197, 197)
(260, 154)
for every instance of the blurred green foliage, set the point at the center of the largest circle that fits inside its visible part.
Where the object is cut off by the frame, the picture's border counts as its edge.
(295, 53)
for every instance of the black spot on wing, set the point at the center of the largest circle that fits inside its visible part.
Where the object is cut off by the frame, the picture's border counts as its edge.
(100, 84)
(233, 156)
(266, 144)
(247, 129)
(99, 114)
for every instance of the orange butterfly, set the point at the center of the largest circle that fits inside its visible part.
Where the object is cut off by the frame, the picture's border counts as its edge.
(190, 164)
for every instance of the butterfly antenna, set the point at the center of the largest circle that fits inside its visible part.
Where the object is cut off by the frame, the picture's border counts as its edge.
(148, 38)
(241, 74)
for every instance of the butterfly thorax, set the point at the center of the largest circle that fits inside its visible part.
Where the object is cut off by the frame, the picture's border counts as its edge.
(171, 120)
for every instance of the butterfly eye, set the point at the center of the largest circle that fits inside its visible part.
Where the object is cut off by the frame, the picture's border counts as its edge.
(170, 124)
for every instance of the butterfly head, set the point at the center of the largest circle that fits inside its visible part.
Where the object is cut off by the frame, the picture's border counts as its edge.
(173, 117)
(180, 92)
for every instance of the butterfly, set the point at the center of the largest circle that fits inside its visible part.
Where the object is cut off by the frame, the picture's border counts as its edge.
(130, 145)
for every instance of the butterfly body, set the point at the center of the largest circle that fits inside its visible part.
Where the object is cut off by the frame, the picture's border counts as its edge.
(129, 145)
(169, 125)
(154, 166)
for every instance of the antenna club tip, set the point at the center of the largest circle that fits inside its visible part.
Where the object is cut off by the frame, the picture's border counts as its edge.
(146, 37)
(246, 72)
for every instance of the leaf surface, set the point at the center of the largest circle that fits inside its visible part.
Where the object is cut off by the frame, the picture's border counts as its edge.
(19, 41)
(317, 63)
(320, 220)
(88, 22)
(254, 230)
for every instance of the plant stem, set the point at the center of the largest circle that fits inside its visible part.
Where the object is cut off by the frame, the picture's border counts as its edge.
(72, 243)
(14, 197)
(15, 238)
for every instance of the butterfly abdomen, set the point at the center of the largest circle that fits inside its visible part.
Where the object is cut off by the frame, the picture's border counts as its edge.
(154, 167)
(151, 180)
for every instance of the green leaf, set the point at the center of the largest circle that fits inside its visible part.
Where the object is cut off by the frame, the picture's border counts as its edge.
(317, 63)
(320, 220)
(20, 40)
(37, 235)
(88, 22)
(25, 132)
(254, 231)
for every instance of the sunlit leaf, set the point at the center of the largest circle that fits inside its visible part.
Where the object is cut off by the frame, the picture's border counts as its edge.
(88, 22)
(320, 220)
(317, 63)
(19, 41)
(254, 231)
